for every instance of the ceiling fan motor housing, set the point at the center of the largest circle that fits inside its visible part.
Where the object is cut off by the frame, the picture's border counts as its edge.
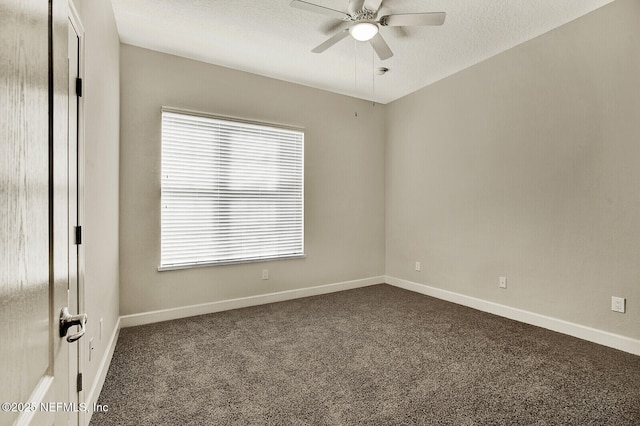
(364, 15)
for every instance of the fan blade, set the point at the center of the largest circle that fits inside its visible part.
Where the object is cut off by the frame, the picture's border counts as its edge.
(355, 6)
(310, 7)
(372, 5)
(408, 19)
(333, 27)
(333, 40)
(381, 47)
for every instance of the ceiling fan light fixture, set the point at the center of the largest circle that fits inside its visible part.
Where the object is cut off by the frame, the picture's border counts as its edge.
(363, 31)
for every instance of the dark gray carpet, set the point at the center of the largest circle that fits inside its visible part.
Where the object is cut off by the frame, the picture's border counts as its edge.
(376, 355)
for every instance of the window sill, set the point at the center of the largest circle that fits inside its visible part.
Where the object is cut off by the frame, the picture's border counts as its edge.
(228, 262)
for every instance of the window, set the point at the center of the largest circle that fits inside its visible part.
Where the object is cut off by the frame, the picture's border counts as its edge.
(232, 191)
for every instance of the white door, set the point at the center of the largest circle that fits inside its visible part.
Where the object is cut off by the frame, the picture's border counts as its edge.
(34, 213)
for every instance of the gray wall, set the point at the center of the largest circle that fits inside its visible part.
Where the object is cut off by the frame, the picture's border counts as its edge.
(344, 180)
(102, 141)
(527, 166)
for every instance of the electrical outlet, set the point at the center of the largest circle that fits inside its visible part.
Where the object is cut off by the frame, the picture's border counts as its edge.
(418, 267)
(502, 282)
(265, 274)
(91, 348)
(618, 304)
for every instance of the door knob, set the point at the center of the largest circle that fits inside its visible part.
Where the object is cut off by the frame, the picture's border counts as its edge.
(67, 320)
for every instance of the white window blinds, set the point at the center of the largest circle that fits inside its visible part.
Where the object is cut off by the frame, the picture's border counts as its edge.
(232, 191)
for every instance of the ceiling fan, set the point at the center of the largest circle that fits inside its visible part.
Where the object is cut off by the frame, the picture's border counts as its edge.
(363, 14)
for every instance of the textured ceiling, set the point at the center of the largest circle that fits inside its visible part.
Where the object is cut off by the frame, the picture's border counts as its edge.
(271, 38)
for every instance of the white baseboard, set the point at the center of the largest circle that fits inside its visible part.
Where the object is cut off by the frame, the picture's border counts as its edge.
(243, 302)
(94, 392)
(601, 337)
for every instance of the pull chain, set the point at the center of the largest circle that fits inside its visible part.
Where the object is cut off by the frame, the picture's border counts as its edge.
(373, 78)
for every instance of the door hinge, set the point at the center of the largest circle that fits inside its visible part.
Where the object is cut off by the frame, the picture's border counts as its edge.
(79, 87)
(79, 382)
(78, 235)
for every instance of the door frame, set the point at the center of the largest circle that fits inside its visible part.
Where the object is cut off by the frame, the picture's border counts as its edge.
(78, 352)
